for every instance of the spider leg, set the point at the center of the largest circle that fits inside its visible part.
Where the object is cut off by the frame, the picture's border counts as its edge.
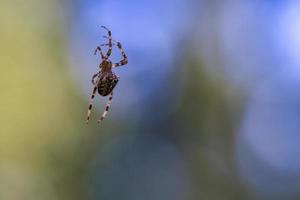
(91, 104)
(114, 42)
(93, 78)
(106, 108)
(107, 44)
(108, 53)
(124, 61)
(100, 50)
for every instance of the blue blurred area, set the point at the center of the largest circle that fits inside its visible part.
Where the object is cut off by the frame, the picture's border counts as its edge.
(268, 143)
(141, 166)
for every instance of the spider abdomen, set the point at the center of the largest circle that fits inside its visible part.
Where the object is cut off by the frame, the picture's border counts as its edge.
(107, 84)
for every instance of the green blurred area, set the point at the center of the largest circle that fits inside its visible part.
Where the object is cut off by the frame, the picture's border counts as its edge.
(39, 108)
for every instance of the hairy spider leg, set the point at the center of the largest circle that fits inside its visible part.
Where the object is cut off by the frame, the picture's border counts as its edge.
(98, 48)
(93, 78)
(106, 108)
(124, 61)
(91, 105)
(108, 53)
(107, 44)
(114, 42)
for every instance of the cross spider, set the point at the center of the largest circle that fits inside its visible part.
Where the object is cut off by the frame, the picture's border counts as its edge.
(105, 80)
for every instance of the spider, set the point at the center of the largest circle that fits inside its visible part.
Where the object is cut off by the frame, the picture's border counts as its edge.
(105, 80)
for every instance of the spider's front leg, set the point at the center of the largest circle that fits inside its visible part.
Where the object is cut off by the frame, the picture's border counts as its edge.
(108, 53)
(124, 61)
(107, 44)
(100, 50)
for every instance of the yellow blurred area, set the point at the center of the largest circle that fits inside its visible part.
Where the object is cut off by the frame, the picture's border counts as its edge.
(36, 97)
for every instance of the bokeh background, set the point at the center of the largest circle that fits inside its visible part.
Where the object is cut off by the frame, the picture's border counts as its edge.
(207, 108)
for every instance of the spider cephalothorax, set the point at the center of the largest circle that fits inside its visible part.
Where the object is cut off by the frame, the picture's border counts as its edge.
(105, 80)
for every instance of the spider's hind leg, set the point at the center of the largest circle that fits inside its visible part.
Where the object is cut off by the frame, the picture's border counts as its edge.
(106, 108)
(91, 105)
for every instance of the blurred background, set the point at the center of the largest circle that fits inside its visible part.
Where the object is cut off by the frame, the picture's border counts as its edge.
(208, 106)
